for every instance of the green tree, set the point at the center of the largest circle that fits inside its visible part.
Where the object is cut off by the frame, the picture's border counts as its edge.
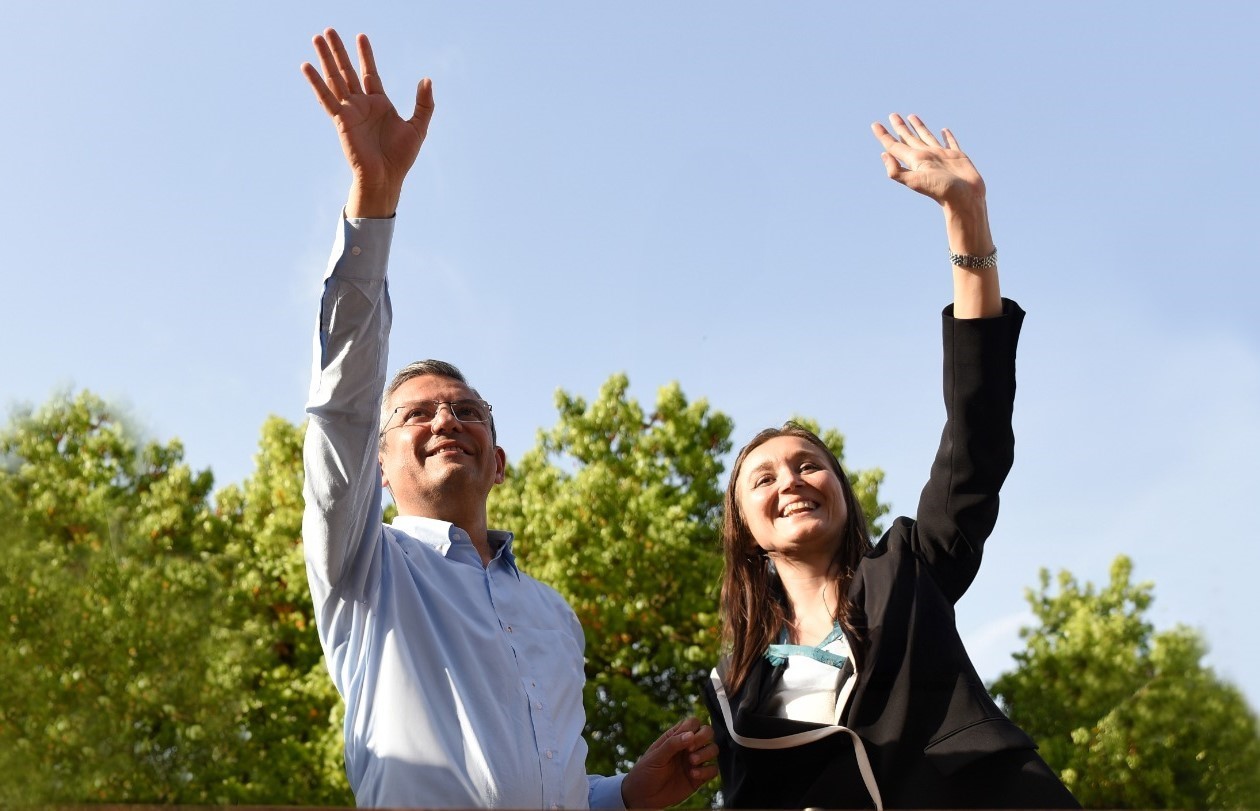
(616, 507)
(106, 584)
(293, 714)
(158, 647)
(1129, 717)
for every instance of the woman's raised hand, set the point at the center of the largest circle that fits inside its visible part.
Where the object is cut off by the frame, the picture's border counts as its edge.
(916, 159)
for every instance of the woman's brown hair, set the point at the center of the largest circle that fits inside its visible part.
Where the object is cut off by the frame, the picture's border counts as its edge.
(754, 606)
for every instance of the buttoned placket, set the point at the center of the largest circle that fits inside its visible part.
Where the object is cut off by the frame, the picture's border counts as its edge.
(499, 577)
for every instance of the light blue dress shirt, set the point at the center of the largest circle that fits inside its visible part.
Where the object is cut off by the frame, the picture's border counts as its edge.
(462, 683)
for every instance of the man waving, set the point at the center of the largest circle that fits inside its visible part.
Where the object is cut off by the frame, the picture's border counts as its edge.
(462, 675)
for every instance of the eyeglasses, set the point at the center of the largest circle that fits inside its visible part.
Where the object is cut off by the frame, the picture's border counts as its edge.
(423, 412)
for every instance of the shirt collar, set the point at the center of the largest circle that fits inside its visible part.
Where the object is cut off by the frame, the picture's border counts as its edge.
(450, 541)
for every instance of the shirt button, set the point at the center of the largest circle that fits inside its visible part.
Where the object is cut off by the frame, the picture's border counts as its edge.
(550, 754)
(356, 250)
(509, 629)
(537, 705)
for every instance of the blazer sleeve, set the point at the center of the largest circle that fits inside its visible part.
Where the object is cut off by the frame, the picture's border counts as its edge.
(959, 505)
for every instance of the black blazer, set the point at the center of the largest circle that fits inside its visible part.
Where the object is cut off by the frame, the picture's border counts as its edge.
(919, 730)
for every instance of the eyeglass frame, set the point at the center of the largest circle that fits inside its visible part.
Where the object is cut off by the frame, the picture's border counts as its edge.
(450, 406)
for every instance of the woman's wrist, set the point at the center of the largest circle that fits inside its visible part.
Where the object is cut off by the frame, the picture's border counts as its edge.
(967, 228)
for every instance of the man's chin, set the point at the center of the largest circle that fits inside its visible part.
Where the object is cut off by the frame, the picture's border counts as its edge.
(450, 465)
(455, 478)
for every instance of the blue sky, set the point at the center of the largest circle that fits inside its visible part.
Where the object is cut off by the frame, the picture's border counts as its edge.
(686, 192)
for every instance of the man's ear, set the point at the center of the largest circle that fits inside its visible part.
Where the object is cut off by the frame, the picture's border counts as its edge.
(380, 463)
(500, 464)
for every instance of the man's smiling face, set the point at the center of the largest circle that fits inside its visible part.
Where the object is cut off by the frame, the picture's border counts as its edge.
(442, 467)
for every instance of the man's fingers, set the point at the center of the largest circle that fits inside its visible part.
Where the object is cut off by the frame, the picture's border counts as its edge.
(703, 736)
(367, 65)
(342, 60)
(699, 777)
(327, 100)
(424, 108)
(689, 735)
(702, 774)
(704, 754)
(682, 736)
(688, 724)
(675, 744)
(328, 64)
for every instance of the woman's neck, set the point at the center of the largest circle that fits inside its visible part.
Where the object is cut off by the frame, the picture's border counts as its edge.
(813, 596)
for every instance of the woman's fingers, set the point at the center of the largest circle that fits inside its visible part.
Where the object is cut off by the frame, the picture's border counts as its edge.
(922, 131)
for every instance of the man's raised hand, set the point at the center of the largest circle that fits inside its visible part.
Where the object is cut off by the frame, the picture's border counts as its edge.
(379, 144)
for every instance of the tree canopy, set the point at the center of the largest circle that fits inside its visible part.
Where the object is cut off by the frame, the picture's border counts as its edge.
(157, 648)
(107, 585)
(1130, 717)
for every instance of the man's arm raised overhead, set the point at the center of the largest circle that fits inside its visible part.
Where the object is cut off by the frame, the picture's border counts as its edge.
(343, 498)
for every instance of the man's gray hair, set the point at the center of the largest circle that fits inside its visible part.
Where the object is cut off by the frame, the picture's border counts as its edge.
(420, 368)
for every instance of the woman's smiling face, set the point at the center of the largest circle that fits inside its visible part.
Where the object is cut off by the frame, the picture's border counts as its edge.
(791, 499)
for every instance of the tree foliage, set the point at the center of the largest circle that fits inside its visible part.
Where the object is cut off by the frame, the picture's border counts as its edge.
(1130, 717)
(292, 711)
(158, 648)
(108, 579)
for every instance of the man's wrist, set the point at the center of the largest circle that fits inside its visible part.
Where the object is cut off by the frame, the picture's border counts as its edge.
(372, 202)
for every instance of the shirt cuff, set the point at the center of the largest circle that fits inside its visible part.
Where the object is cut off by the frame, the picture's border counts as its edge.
(605, 792)
(361, 249)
